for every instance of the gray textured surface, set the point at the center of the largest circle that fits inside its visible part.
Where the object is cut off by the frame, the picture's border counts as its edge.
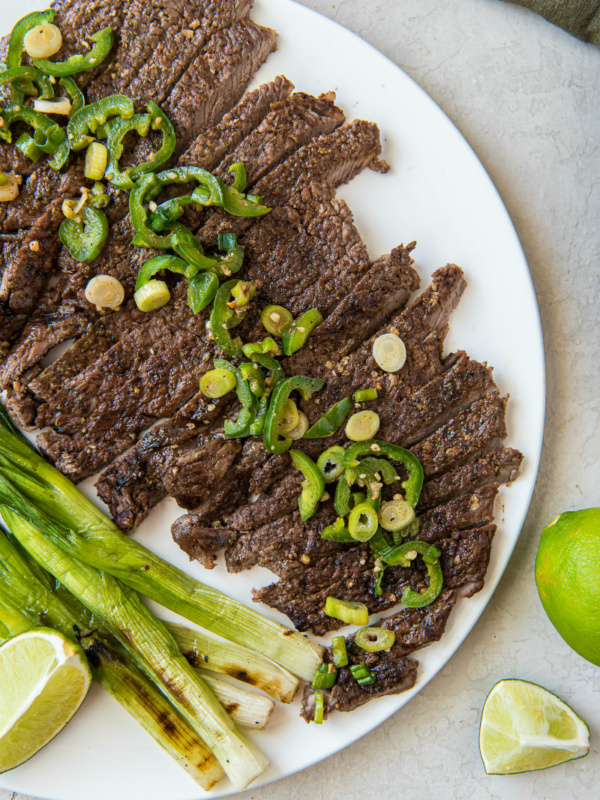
(526, 95)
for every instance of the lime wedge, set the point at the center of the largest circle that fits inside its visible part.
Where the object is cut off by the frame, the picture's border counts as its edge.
(43, 680)
(525, 727)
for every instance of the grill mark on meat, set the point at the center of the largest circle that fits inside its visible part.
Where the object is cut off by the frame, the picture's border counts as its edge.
(350, 576)
(501, 465)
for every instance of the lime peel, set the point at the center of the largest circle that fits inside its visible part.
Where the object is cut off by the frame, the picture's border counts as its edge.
(525, 727)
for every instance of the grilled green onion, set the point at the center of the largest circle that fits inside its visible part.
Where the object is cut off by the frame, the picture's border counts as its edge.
(362, 426)
(339, 652)
(365, 394)
(276, 320)
(362, 522)
(395, 515)
(330, 463)
(217, 383)
(324, 677)
(373, 640)
(152, 295)
(319, 709)
(96, 158)
(347, 611)
(362, 674)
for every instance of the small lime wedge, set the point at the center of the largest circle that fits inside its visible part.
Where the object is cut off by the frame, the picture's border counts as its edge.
(43, 680)
(525, 727)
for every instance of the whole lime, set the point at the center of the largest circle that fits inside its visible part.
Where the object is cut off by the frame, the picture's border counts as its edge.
(567, 574)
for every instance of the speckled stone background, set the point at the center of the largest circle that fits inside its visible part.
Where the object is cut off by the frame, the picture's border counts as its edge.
(527, 97)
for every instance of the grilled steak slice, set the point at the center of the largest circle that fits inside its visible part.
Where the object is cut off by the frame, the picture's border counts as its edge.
(194, 105)
(25, 276)
(350, 575)
(290, 124)
(468, 510)
(158, 40)
(212, 146)
(393, 672)
(333, 158)
(185, 533)
(414, 628)
(384, 290)
(286, 545)
(463, 438)
(417, 627)
(195, 477)
(501, 465)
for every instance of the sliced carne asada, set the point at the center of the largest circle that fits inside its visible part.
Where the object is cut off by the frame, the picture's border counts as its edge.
(212, 146)
(25, 276)
(393, 672)
(333, 158)
(415, 628)
(194, 105)
(350, 575)
(197, 472)
(157, 40)
(284, 544)
(501, 465)
(185, 533)
(290, 124)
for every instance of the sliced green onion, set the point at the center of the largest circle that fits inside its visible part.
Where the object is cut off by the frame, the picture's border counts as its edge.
(9, 189)
(365, 394)
(389, 352)
(104, 291)
(217, 383)
(319, 709)
(301, 428)
(347, 611)
(289, 419)
(362, 426)
(339, 652)
(96, 159)
(373, 640)
(152, 295)
(362, 674)
(324, 677)
(330, 463)
(395, 515)
(362, 522)
(42, 41)
(61, 106)
(276, 320)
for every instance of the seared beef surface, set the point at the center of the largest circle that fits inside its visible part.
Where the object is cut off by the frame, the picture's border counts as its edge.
(127, 387)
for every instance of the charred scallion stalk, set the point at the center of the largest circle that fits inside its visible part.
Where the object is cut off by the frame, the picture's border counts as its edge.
(91, 537)
(25, 602)
(136, 628)
(238, 662)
